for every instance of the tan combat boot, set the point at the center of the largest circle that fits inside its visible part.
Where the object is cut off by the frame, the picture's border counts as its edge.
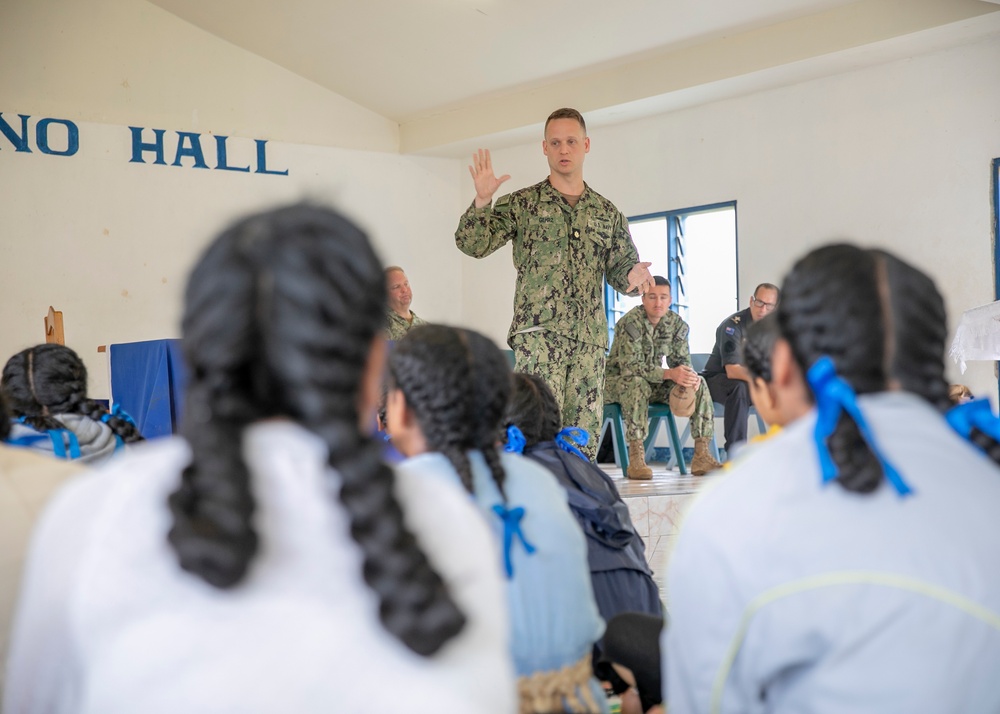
(703, 462)
(637, 468)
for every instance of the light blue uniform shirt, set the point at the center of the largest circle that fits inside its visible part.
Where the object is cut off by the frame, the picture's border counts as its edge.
(553, 615)
(790, 596)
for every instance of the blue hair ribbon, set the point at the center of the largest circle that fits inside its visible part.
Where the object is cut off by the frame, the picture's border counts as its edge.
(511, 518)
(570, 437)
(979, 414)
(117, 411)
(515, 441)
(59, 438)
(833, 396)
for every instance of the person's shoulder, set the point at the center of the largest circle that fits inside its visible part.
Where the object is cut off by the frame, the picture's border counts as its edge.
(735, 322)
(672, 321)
(604, 205)
(631, 323)
(599, 199)
(148, 463)
(34, 476)
(427, 466)
(145, 473)
(741, 318)
(522, 196)
(525, 475)
(430, 492)
(769, 471)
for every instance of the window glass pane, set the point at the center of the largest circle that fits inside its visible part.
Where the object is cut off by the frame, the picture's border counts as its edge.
(650, 238)
(710, 273)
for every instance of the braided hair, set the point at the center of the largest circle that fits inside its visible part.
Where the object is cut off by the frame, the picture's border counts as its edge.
(883, 324)
(280, 314)
(51, 379)
(758, 345)
(533, 409)
(458, 383)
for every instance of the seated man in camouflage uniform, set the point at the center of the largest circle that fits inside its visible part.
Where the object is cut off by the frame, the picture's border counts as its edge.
(643, 337)
(399, 317)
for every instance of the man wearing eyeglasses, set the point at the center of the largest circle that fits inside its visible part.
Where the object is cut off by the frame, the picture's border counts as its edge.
(727, 379)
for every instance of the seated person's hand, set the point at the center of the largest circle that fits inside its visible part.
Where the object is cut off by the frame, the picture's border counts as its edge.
(683, 375)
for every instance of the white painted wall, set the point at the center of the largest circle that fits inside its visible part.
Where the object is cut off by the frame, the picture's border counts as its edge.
(110, 242)
(896, 155)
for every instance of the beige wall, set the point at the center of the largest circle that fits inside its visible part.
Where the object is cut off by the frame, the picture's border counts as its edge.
(109, 242)
(896, 155)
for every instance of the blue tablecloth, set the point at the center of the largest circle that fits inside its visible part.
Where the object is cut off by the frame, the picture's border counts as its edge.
(147, 380)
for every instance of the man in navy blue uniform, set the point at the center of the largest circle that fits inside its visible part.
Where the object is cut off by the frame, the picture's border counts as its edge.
(727, 379)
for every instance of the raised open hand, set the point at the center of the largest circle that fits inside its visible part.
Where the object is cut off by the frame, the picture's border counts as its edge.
(482, 174)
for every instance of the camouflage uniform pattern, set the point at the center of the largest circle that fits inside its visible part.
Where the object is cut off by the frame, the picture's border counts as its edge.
(634, 376)
(574, 371)
(396, 326)
(561, 254)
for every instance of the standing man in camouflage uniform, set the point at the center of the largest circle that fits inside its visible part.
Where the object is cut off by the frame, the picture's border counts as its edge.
(399, 317)
(635, 377)
(567, 238)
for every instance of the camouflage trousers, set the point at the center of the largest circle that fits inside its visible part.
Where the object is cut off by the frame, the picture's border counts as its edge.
(573, 370)
(634, 394)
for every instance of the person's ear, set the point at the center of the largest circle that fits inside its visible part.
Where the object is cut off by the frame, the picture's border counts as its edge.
(791, 393)
(784, 370)
(370, 388)
(403, 425)
(395, 404)
(763, 394)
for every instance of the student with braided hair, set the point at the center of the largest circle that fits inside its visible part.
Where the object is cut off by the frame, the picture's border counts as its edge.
(618, 569)
(268, 561)
(447, 394)
(46, 386)
(849, 563)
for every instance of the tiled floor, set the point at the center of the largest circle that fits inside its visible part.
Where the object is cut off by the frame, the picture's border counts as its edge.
(656, 507)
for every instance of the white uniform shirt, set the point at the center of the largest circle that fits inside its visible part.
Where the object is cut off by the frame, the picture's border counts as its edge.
(108, 622)
(27, 480)
(790, 596)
